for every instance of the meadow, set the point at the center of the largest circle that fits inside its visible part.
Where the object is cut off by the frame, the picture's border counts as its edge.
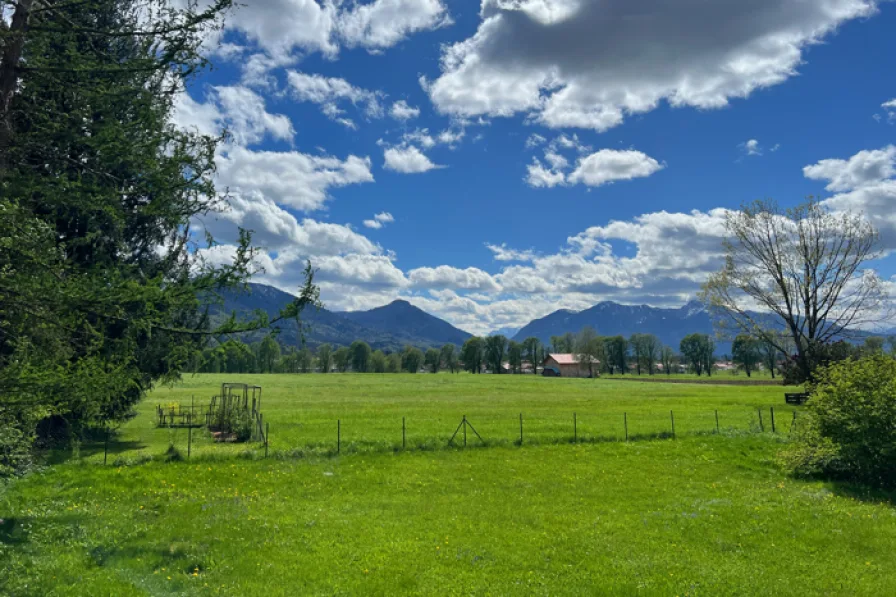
(306, 412)
(703, 514)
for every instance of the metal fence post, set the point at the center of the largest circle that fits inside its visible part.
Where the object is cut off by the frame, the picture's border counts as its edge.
(772, 409)
(761, 424)
(267, 438)
(465, 430)
(793, 422)
(575, 428)
(404, 441)
(672, 416)
(625, 421)
(189, 440)
(338, 436)
(521, 429)
(717, 421)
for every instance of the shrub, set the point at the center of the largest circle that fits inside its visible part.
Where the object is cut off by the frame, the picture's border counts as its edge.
(850, 428)
(15, 450)
(240, 424)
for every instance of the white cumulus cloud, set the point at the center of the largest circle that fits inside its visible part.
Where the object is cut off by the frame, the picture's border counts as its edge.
(407, 160)
(379, 220)
(290, 178)
(861, 169)
(400, 110)
(236, 108)
(573, 63)
(331, 93)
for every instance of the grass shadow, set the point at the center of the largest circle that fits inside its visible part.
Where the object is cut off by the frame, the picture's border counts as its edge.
(861, 492)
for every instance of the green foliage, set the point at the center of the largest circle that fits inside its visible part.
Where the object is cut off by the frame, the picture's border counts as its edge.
(495, 347)
(342, 359)
(697, 351)
(745, 352)
(816, 356)
(324, 357)
(433, 359)
(378, 362)
(16, 440)
(268, 355)
(589, 348)
(472, 354)
(448, 356)
(616, 349)
(305, 360)
(102, 279)
(564, 344)
(515, 356)
(849, 430)
(393, 363)
(532, 349)
(412, 359)
(360, 356)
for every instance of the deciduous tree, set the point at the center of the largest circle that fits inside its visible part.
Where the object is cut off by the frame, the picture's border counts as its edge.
(495, 347)
(532, 349)
(806, 267)
(745, 352)
(471, 353)
(433, 359)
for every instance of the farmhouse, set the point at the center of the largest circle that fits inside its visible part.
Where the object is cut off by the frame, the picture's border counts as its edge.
(568, 365)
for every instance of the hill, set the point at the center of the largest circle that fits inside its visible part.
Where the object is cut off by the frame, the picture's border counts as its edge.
(409, 323)
(387, 328)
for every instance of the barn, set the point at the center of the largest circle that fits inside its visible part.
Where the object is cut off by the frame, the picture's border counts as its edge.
(568, 365)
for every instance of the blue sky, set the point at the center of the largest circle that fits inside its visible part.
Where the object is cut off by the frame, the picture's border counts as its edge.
(530, 155)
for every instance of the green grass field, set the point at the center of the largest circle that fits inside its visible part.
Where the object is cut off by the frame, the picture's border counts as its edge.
(704, 514)
(303, 411)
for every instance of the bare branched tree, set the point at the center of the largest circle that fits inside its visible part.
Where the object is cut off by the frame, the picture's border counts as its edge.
(804, 266)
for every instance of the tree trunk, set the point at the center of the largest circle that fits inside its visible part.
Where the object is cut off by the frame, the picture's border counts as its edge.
(9, 63)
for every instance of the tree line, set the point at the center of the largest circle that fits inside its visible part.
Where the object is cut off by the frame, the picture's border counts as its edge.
(640, 354)
(266, 356)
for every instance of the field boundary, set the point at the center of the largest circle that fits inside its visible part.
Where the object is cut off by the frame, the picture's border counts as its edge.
(702, 382)
(355, 439)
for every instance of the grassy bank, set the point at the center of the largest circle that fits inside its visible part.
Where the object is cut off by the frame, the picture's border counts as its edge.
(698, 516)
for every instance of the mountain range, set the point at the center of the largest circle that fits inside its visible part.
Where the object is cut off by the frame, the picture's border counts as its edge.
(387, 328)
(398, 324)
(611, 319)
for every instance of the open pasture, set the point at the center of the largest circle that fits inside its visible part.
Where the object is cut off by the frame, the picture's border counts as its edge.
(704, 514)
(307, 412)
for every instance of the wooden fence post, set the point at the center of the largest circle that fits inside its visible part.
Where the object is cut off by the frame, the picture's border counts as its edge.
(106, 447)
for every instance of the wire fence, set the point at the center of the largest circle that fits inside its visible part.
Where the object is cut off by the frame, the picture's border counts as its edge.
(328, 437)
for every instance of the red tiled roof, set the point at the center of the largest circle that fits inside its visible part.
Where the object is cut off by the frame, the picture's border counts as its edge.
(567, 359)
